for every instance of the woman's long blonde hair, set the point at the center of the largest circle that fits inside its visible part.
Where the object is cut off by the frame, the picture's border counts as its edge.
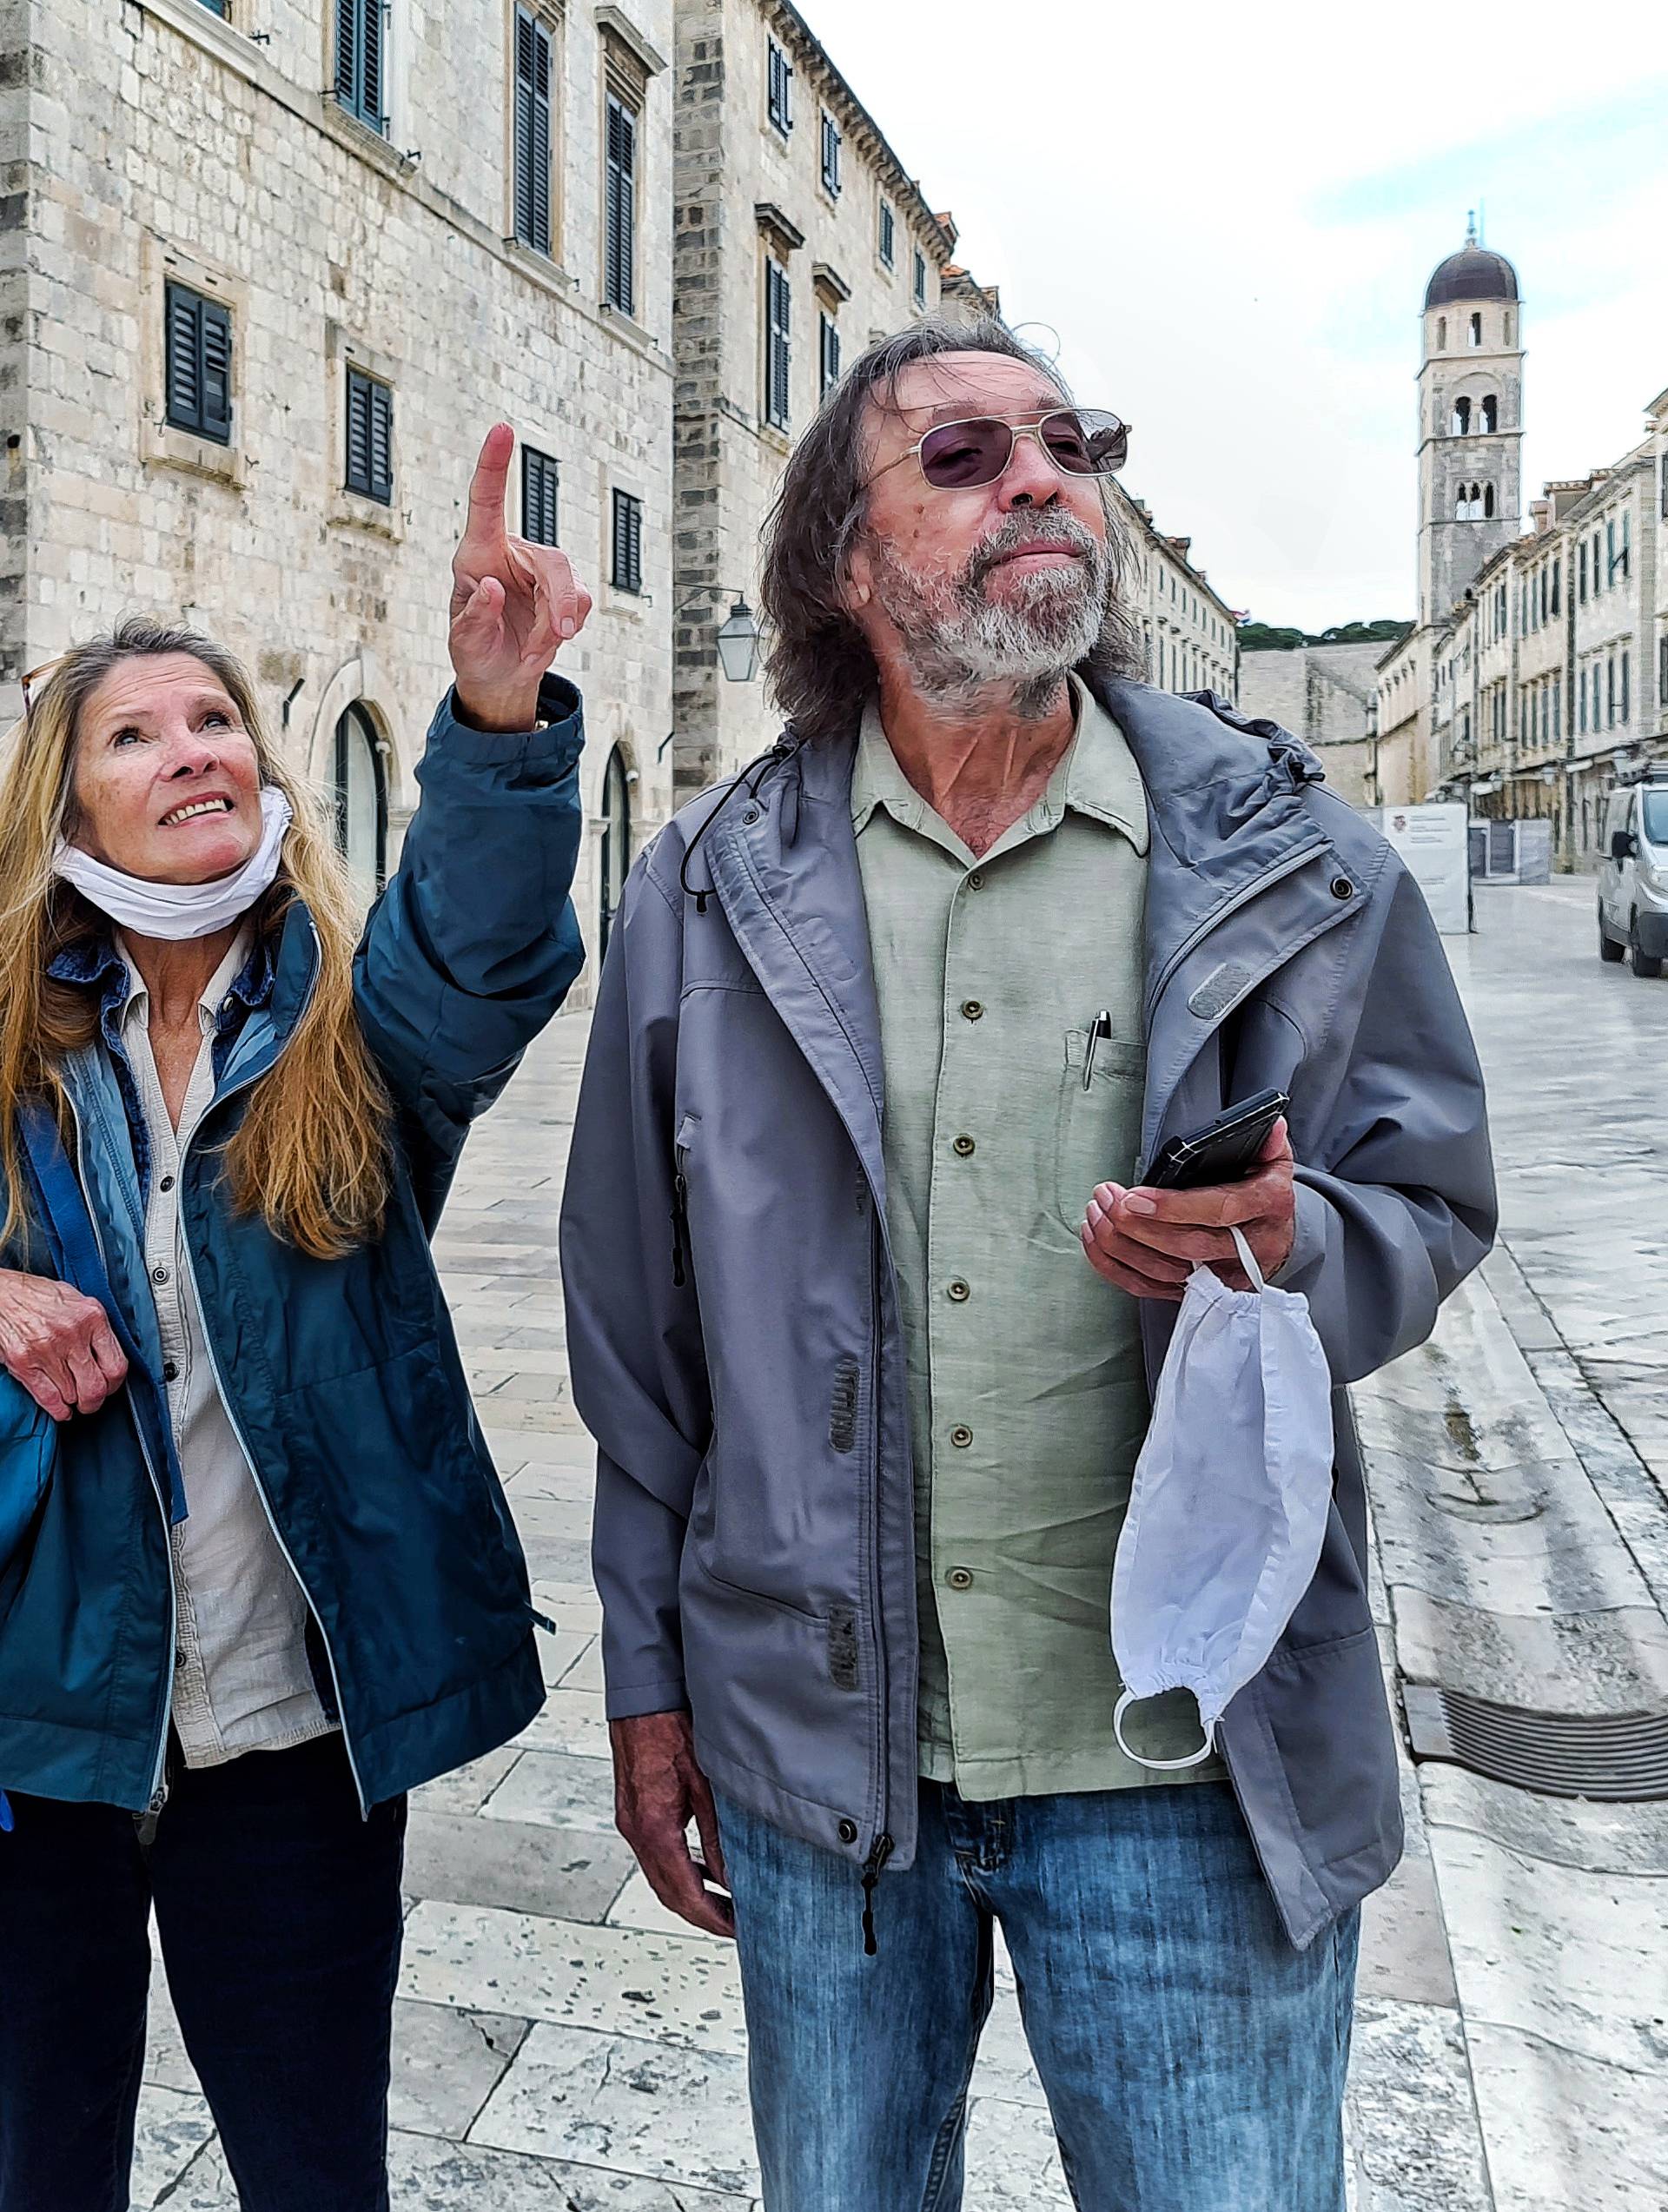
(311, 1153)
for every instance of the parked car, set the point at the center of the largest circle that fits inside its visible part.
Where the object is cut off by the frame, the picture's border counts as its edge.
(1633, 875)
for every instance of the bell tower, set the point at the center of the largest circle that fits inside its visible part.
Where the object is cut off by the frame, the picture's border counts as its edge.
(1470, 421)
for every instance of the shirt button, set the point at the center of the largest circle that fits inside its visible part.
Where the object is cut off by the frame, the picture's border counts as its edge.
(963, 1147)
(975, 881)
(166, 1184)
(170, 1370)
(179, 1660)
(958, 1291)
(973, 1009)
(961, 1438)
(848, 1831)
(960, 1578)
(159, 1274)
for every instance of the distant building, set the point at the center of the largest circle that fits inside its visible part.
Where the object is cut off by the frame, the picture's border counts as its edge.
(1538, 674)
(1325, 695)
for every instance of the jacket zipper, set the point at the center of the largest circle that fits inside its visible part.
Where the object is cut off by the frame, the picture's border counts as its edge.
(679, 1229)
(880, 1850)
(1218, 915)
(158, 1783)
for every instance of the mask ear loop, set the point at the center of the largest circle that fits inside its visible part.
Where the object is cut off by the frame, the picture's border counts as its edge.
(1193, 1759)
(1247, 1258)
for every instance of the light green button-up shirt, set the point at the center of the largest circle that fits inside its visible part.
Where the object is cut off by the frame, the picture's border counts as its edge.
(1028, 1402)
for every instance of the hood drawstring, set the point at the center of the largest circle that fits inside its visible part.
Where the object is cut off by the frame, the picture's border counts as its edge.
(784, 750)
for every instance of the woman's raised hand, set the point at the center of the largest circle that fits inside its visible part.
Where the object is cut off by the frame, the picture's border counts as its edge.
(513, 605)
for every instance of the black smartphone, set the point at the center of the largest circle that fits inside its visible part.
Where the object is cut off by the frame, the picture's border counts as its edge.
(1224, 1150)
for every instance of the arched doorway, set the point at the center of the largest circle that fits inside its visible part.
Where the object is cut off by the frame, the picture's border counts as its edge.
(362, 792)
(616, 844)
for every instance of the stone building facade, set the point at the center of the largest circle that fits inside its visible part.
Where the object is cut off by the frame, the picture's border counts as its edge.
(330, 288)
(1538, 674)
(1325, 695)
(1190, 631)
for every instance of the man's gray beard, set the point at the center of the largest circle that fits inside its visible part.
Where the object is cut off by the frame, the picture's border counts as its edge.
(964, 650)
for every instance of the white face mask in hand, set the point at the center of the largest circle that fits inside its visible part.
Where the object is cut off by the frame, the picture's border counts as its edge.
(1229, 1506)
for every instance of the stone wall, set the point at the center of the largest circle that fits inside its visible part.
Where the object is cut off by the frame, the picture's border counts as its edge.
(163, 145)
(1323, 694)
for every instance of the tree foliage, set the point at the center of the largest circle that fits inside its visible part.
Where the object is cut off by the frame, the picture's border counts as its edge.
(1260, 636)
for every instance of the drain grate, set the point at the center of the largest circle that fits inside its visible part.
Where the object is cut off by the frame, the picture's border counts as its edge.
(1615, 1757)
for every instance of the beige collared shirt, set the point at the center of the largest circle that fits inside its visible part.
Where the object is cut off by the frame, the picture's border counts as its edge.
(1028, 1399)
(241, 1681)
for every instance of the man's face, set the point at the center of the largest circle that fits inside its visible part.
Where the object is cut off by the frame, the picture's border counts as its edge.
(1001, 584)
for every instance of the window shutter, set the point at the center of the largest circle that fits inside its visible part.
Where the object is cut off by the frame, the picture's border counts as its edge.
(216, 324)
(541, 58)
(371, 50)
(348, 16)
(777, 344)
(359, 433)
(628, 542)
(532, 132)
(184, 395)
(382, 441)
(540, 477)
(620, 274)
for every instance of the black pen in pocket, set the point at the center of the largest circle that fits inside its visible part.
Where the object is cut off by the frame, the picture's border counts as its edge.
(1100, 1026)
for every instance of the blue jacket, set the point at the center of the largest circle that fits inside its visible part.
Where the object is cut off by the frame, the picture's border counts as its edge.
(342, 1377)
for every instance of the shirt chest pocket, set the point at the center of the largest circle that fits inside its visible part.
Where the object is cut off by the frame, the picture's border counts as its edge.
(1097, 1131)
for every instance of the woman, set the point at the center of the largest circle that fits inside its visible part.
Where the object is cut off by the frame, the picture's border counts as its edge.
(257, 1578)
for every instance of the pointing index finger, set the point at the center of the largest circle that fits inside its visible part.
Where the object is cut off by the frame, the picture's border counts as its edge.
(486, 486)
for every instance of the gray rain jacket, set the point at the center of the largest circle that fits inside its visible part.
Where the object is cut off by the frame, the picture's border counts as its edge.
(732, 1316)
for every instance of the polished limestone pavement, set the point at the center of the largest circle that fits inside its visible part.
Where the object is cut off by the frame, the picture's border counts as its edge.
(563, 2046)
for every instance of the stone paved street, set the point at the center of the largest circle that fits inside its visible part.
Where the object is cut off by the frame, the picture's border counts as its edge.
(563, 2046)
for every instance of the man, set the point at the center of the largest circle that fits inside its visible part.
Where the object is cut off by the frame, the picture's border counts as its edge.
(866, 1303)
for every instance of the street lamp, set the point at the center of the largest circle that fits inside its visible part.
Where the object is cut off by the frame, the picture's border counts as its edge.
(739, 644)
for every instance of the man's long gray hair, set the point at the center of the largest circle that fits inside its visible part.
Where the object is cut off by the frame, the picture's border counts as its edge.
(821, 668)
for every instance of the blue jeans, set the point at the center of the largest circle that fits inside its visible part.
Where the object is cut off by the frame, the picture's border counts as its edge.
(280, 1918)
(1193, 2061)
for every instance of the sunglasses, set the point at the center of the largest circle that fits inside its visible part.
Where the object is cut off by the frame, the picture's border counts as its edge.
(961, 456)
(35, 676)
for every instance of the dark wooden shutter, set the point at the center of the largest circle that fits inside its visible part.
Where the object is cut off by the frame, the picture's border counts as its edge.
(778, 355)
(381, 442)
(216, 370)
(532, 132)
(619, 271)
(371, 48)
(370, 438)
(627, 574)
(349, 15)
(359, 59)
(184, 358)
(539, 485)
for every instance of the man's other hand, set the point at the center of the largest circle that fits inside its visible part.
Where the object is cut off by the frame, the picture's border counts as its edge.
(658, 1789)
(1146, 1242)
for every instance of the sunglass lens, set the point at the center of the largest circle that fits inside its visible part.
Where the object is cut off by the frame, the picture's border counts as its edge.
(1087, 441)
(957, 456)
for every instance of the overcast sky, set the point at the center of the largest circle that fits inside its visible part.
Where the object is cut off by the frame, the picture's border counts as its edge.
(1228, 214)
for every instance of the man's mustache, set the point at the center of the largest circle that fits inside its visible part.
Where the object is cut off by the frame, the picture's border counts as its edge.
(1017, 530)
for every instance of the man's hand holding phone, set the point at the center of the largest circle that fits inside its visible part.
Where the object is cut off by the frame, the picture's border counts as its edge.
(1146, 1241)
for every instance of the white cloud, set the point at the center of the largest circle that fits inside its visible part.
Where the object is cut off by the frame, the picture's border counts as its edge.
(1228, 216)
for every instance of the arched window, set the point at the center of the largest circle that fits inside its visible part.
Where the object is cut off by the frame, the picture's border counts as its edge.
(616, 844)
(1461, 419)
(1487, 509)
(1441, 333)
(1474, 336)
(362, 789)
(1491, 411)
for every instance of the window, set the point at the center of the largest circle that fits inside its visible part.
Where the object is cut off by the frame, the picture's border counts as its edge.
(831, 155)
(619, 221)
(1581, 573)
(1491, 415)
(626, 573)
(1488, 502)
(781, 90)
(1598, 563)
(198, 364)
(1441, 333)
(1557, 569)
(828, 357)
(1665, 488)
(889, 252)
(217, 7)
(370, 438)
(1461, 418)
(1627, 705)
(362, 795)
(1558, 708)
(1545, 607)
(538, 481)
(359, 60)
(532, 132)
(1662, 667)
(919, 282)
(1581, 701)
(1609, 549)
(778, 343)
(1626, 562)
(1610, 692)
(1474, 336)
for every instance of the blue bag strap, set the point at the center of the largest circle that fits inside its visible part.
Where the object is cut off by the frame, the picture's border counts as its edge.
(71, 1227)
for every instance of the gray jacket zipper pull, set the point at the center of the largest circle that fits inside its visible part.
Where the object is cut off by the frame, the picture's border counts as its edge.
(871, 1867)
(679, 1229)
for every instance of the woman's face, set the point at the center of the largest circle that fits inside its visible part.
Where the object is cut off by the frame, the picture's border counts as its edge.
(167, 784)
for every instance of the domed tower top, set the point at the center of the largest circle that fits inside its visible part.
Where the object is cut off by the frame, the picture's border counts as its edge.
(1474, 273)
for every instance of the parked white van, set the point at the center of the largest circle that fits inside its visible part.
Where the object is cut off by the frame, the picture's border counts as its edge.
(1633, 876)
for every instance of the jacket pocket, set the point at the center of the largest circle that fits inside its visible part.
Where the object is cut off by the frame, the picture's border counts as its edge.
(1098, 1124)
(28, 1455)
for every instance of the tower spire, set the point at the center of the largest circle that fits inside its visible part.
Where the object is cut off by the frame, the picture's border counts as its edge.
(1471, 226)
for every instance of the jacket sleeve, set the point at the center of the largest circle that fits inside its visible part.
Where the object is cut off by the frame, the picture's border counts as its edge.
(633, 1333)
(1396, 1187)
(474, 943)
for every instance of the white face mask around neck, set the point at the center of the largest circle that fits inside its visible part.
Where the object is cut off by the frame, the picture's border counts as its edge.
(178, 911)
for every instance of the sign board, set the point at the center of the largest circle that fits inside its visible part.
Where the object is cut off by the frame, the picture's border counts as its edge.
(1432, 844)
